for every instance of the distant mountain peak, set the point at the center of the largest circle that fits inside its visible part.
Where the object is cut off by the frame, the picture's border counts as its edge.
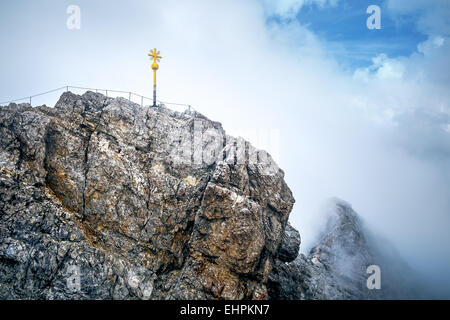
(336, 268)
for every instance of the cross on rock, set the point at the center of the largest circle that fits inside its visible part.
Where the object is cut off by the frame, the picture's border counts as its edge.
(156, 57)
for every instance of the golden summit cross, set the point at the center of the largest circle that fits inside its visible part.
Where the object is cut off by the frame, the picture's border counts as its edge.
(154, 54)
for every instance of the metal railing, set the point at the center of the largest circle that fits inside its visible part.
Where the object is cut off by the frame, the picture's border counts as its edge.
(130, 94)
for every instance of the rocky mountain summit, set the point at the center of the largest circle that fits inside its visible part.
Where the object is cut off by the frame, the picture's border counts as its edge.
(104, 199)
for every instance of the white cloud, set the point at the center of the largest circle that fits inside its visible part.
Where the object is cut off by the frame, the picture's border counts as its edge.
(382, 68)
(431, 44)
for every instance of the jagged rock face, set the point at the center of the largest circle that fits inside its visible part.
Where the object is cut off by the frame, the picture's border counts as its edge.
(344, 255)
(290, 244)
(101, 198)
(336, 268)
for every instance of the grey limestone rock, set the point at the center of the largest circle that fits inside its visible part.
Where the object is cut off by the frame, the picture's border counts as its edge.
(104, 199)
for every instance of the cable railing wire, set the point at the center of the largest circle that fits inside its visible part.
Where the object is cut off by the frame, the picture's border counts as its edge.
(130, 94)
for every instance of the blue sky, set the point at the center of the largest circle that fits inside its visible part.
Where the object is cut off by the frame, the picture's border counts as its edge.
(343, 27)
(363, 115)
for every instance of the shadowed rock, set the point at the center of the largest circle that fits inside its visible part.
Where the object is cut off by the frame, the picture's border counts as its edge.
(290, 244)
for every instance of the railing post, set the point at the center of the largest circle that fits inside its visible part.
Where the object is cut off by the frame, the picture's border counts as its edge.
(67, 88)
(142, 101)
(30, 101)
(106, 93)
(129, 96)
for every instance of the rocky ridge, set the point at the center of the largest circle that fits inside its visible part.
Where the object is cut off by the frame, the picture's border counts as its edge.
(104, 199)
